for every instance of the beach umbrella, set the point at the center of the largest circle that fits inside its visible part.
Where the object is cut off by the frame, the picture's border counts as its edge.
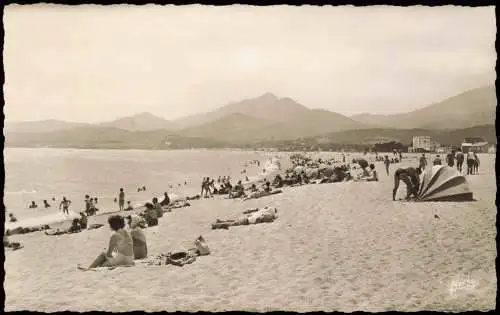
(444, 183)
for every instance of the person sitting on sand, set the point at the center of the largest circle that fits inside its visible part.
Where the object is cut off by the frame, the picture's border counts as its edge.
(120, 250)
(278, 181)
(437, 160)
(151, 215)
(166, 200)
(411, 177)
(157, 207)
(46, 204)
(237, 191)
(373, 177)
(83, 221)
(138, 237)
(12, 218)
(75, 226)
(129, 206)
(33, 205)
(268, 188)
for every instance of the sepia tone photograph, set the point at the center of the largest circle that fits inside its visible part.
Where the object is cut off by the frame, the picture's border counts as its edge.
(249, 158)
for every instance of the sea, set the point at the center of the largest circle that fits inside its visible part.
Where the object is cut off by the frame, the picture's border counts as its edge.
(37, 174)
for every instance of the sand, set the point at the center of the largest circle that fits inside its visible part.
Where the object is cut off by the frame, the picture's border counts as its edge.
(335, 247)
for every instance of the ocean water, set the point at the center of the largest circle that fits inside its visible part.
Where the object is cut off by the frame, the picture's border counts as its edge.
(42, 173)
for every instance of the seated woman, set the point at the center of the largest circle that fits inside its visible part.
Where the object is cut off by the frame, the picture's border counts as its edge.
(120, 250)
(150, 215)
(166, 200)
(237, 191)
(83, 221)
(157, 207)
(138, 238)
(373, 177)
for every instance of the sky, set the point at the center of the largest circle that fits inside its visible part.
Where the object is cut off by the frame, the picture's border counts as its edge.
(92, 63)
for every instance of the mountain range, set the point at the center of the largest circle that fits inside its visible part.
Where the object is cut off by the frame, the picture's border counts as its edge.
(264, 118)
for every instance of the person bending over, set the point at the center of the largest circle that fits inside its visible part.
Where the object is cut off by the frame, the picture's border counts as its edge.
(411, 177)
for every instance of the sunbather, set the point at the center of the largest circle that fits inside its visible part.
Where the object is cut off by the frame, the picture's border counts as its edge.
(267, 214)
(120, 250)
(136, 224)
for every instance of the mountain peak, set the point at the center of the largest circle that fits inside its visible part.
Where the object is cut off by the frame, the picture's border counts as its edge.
(268, 96)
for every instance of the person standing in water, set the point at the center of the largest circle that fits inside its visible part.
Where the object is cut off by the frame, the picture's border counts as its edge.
(65, 205)
(387, 162)
(423, 162)
(121, 200)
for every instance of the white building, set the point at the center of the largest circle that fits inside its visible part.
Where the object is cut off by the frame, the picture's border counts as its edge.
(423, 143)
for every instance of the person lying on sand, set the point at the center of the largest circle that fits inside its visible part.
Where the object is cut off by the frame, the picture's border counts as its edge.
(120, 250)
(196, 197)
(261, 194)
(255, 216)
(136, 224)
(411, 177)
(74, 228)
(13, 245)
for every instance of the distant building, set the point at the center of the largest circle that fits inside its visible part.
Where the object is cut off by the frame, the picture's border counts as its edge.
(423, 144)
(475, 144)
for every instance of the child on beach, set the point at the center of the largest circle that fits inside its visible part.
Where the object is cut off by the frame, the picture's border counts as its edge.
(120, 250)
(121, 200)
(65, 205)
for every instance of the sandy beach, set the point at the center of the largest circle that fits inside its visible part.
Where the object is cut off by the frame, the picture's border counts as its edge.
(334, 247)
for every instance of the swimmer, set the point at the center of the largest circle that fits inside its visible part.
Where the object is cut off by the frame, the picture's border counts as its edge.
(65, 205)
(33, 205)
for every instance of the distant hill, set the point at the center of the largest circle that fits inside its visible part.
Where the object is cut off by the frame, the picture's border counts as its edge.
(41, 126)
(140, 122)
(405, 136)
(266, 107)
(472, 108)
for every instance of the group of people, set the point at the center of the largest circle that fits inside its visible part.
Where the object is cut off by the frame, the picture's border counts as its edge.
(125, 245)
(459, 157)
